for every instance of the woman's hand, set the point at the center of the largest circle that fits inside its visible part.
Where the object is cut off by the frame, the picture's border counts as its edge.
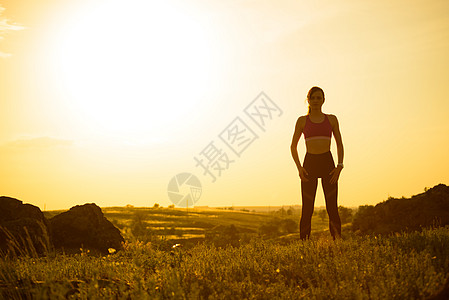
(303, 173)
(335, 174)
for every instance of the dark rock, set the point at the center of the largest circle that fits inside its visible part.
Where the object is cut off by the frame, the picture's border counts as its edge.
(84, 226)
(23, 228)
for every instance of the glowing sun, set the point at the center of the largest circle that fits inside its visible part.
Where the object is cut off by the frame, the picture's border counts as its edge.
(134, 66)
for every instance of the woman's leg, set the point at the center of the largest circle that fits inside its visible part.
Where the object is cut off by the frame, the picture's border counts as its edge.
(308, 192)
(330, 195)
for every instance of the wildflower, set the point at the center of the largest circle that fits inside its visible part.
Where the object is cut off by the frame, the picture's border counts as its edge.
(84, 252)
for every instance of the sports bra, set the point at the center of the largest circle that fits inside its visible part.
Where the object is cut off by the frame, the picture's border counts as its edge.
(321, 130)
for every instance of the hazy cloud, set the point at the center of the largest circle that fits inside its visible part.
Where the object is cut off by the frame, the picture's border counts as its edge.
(5, 26)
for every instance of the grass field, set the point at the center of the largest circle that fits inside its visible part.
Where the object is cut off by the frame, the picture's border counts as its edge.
(402, 266)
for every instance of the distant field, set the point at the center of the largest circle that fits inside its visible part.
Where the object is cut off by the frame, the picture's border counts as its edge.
(179, 224)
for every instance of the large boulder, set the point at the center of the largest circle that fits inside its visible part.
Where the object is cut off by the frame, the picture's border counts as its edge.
(84, 226)
(23, 228)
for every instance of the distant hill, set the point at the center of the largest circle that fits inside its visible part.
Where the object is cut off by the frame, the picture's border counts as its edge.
(427, 209)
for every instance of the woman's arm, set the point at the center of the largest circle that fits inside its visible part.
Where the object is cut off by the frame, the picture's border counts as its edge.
(338, 140)
(340, 150)
(294, 147)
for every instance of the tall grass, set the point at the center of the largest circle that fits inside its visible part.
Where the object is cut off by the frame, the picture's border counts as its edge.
(26, 244)
(403, 266)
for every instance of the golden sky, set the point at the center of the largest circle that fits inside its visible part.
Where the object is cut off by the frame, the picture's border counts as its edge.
(105, 101)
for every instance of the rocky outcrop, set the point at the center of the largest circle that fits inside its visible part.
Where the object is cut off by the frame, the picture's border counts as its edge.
(84, 226)
(428, 209)
(23, 228)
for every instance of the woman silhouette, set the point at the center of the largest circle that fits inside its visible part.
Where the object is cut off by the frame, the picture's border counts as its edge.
(318, 162)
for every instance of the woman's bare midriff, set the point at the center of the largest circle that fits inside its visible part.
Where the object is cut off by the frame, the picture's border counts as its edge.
(318, 146)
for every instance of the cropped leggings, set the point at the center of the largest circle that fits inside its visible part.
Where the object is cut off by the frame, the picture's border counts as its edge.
(319, 166)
